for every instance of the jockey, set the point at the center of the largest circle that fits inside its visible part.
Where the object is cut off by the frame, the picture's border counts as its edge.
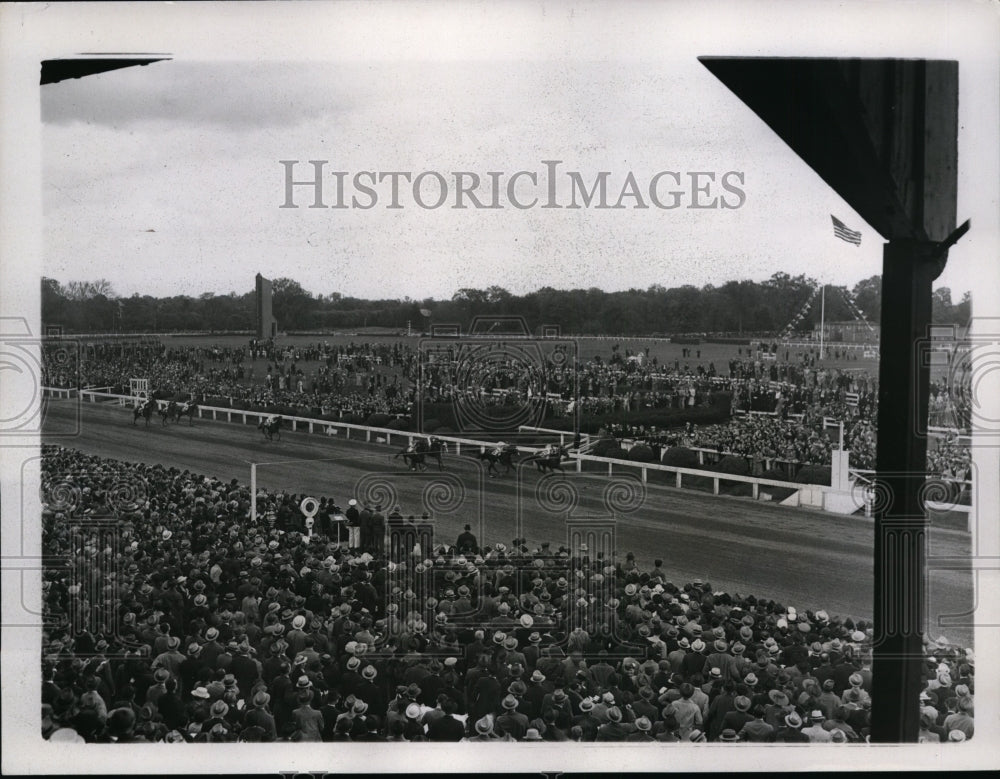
(500, 448)
(271, 418)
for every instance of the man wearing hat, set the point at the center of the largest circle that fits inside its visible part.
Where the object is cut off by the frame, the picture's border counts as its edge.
(614, 729)
(815, 731)
(308, 720)
(791, 730)
(370, 690)
(172, 658)
(643, 726)
(828, 700)
(260, 716)
(353, 522)
(586, 720)
(739, 716)
(557, 701)
(211, 649)
(539, 688)
(193, 669)
(729, 736)
(484, 730)
(777, 707)
(511, 721)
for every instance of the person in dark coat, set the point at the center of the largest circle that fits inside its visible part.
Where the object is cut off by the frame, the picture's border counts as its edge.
(466, 541)
(446, 728)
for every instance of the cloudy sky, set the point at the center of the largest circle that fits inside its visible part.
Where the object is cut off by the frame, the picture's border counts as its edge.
(166, 179)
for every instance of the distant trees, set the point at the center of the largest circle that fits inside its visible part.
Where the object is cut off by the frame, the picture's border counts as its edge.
(737, 306)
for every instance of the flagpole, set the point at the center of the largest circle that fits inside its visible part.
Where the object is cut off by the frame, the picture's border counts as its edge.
(822, 320)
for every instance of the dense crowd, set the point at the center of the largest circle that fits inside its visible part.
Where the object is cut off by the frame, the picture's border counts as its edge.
(189, 623)
(389, 378)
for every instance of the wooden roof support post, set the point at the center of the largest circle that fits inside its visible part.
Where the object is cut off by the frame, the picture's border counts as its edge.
(909, 268)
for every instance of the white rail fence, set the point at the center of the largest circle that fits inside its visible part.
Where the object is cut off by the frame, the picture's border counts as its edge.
(810, 494)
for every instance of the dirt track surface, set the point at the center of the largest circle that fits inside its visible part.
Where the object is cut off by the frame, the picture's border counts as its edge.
(799, 557)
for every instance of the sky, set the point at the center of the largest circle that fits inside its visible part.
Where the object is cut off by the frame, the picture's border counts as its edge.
(166, 179)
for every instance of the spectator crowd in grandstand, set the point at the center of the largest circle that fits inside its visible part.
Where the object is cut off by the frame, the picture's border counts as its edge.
(188, 623)
(785, 403)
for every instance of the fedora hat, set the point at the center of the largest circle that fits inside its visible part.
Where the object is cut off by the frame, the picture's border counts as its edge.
(615, 714)
(586, 705)
(509, 702)
(643, 724)
(532, 735)
(742, 703)
(219, 709)
(537, 676)
(261, 699)
(793, 720)
(369, 672)
(729, 735)
(778, 697)
(484, 726)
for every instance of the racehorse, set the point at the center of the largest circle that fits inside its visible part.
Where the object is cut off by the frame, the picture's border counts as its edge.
(270, 427)
(505, 457)
(145, 411)
(175, 411)
(187, 409)
(549, 461)
(415, 456)
(168, 413)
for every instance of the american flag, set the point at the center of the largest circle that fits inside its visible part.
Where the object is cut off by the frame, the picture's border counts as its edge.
(844, 233)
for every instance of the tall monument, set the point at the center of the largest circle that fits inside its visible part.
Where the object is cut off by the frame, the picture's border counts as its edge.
(267, 325)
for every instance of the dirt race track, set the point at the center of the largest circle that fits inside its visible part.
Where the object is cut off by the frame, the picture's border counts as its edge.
(799, 557)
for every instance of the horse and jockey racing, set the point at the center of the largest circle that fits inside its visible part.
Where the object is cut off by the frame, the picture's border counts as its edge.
(503, 453)
(144, 410)
(419, 450)
(550, 458)
(174, 411)
(270, 426)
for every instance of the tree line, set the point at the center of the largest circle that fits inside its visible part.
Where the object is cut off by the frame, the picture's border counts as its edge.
(735, 307)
